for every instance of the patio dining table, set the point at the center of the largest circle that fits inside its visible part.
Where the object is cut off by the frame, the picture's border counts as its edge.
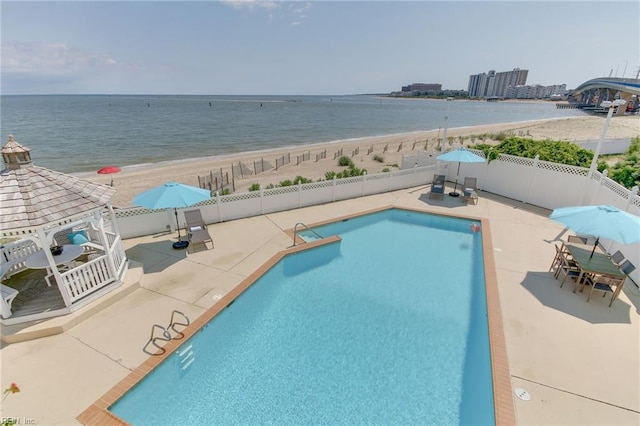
(38, 260)
(599, 264)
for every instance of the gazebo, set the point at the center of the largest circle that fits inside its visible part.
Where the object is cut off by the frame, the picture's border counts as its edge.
(58, 223)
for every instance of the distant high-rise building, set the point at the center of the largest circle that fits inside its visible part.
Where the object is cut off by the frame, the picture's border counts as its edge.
(495, 84)
(422, 88)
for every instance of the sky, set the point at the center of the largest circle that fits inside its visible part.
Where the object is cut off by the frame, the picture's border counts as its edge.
(307, 47)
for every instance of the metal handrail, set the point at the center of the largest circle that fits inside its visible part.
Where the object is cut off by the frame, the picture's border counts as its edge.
(295, 232)
(166, 335)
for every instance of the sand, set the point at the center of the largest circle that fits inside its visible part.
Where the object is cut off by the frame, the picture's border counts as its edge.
(133, 180)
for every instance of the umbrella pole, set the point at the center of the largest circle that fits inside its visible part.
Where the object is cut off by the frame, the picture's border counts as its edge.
(177, 224)
(455, 187)
(594, 247)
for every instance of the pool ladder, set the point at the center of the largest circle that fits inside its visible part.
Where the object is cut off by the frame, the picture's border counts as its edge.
(295, 232)
(165, 335)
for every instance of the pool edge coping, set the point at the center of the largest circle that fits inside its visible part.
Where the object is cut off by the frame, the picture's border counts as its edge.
(504, 406)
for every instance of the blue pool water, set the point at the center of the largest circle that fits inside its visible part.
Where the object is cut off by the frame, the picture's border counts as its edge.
(387, 326)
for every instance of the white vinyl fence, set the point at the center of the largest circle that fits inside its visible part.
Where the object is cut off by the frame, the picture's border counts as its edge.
(540, 183)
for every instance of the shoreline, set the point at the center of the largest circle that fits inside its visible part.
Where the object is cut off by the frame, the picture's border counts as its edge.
(134, 179)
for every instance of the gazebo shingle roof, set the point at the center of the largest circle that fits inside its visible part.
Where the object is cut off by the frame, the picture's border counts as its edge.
(34, 196)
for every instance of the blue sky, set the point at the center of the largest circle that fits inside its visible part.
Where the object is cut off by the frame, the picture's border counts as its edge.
(300, 47)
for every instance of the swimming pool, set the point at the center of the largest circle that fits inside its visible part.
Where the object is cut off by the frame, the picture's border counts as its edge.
(388, 325)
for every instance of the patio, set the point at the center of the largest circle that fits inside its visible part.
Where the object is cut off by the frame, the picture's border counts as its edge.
(578, 361)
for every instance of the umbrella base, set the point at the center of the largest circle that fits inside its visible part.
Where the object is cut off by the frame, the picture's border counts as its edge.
(454, 194)
(179, 245)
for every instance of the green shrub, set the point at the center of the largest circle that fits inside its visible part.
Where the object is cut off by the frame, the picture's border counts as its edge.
(301, 179)
(254, 187)
(270, 186)
(345, 161)
(286, 183)
(225, 191)
(330, 175)
(386, 169)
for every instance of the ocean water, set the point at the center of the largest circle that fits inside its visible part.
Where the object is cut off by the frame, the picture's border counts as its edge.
(82, 133)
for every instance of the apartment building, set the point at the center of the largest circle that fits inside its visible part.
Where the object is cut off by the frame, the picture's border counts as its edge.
(495, 84)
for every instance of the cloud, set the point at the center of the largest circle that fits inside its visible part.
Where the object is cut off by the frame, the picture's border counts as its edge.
(51, 59)
(251, 4)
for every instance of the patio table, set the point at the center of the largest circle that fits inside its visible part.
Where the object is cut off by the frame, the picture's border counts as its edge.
(599, 264)
(38, 260)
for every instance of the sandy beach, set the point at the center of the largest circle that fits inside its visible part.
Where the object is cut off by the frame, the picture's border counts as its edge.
(133, 180)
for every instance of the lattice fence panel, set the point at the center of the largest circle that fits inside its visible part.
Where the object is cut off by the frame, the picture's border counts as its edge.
(240, 196)
(516, 160)
(317, 185)
(280, 190)
(563, 168)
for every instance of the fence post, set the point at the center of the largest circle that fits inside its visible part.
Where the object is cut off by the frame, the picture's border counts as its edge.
(261, 199)
(219, 207)
(364, 178)
(333, 190)
(299, 194)
(536, 161)
(632, 194)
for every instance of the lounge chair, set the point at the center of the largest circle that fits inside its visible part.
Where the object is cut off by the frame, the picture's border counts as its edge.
(470, 190)
(197, 232)
(437, 186)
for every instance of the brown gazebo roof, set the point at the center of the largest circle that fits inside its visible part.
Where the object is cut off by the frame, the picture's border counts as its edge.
(32, 196)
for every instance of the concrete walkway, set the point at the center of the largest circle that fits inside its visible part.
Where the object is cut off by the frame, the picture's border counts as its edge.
(578, 361)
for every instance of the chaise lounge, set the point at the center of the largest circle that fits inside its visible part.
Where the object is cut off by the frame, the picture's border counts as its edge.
(197, 232)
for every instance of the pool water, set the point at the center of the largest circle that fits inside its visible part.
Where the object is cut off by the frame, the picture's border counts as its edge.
(386, 326)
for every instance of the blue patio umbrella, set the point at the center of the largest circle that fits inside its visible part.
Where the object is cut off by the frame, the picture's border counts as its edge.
(171, 195)
(600, 221)
(460, 155)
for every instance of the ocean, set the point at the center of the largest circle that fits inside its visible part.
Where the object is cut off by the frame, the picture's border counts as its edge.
(82, 133)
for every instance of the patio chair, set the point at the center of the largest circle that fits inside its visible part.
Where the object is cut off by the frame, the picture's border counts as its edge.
(197, 232)
(617, 257)
(561, 259)
(611, 285)
(627, 267)
(470, 190)
(437, 186)
(577, 239)
(566, 266)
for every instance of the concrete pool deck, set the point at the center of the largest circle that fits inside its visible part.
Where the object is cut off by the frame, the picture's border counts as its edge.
(578, 360)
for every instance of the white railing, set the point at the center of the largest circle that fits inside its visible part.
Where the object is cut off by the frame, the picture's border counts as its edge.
(117, 253)
(13, 255)
(87, 278)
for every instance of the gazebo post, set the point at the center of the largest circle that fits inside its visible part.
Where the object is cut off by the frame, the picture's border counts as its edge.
(103, 237)
(45, 240)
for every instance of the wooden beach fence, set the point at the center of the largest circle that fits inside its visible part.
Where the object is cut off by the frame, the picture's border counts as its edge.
(386, 147)
(355, 152)
(304, 157)
(400, 147)
(370, 150)
(321, 156)
(240, 170)
(281, 161)
(261, 166)
(337, 154)
(216, 181)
